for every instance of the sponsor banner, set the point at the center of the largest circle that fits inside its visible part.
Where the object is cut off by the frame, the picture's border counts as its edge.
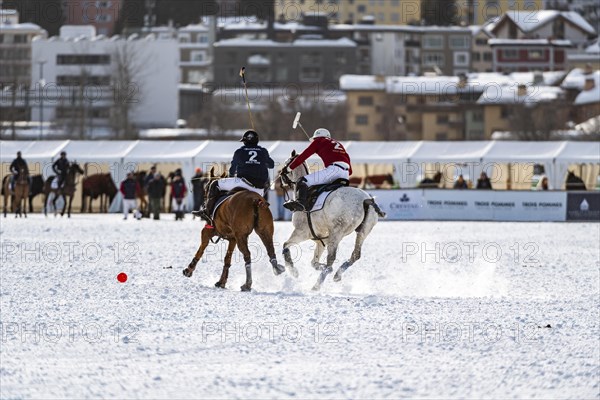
(400, 204)
(583, 206)
(472, 205)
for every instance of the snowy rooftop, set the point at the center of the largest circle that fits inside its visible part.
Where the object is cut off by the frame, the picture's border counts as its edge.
(245, 42)
(21, 27)
(440, 85)
(529, 42)
(590, 96)
(399, 28)
(509, 94)
(576, 79)
(528, 21)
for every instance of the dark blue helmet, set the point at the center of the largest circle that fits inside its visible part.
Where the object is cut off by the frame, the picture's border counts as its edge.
(250, 138)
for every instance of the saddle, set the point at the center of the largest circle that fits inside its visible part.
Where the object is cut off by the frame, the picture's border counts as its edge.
(315, 191)
(222, 196)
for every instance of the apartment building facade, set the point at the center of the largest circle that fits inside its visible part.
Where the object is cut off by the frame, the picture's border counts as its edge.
(302, 62)
(391, 12)
(478, 12)
(16, 64)
(87, 79)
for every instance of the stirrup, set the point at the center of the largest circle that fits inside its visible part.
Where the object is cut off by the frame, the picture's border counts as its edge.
(294, 206)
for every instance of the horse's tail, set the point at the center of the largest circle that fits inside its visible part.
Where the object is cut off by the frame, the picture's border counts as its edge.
(257, 205)
(371, 203)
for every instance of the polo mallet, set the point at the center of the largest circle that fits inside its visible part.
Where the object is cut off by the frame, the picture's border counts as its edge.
(297, 123)
(243, 76)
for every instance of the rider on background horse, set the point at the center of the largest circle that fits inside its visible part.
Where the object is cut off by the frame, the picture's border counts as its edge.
(61, 168)
(337, 166)
(249, 170)
(18, 164)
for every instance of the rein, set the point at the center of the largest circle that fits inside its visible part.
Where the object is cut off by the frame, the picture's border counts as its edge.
(285, 179)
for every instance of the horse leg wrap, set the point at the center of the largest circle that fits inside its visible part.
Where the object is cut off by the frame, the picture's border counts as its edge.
(277, 268)
(248, 285)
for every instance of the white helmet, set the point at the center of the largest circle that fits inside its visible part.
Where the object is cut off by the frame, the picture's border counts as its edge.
(321, 132)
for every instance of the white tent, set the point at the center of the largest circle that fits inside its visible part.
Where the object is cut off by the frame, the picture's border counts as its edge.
(574, 153)
(33, 151)
(543, 153)
(555, 156)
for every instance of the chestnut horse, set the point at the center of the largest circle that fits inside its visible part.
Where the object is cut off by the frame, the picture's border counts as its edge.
(98, 185)
(20, 195)
(234, 220)
(68, 189)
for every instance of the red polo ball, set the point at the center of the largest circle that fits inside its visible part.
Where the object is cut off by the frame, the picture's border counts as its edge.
(122, 277)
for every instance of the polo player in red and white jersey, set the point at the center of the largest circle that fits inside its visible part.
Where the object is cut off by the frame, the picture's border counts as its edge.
(337, 166)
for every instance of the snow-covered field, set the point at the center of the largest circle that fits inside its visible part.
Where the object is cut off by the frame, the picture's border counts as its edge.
(432, 310)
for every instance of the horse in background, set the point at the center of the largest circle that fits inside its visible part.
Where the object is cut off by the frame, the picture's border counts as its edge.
(36, 188)
(574, 182)
(19, 195)
(98, 185)
(68, 189)
(234, 220)
(431, 183)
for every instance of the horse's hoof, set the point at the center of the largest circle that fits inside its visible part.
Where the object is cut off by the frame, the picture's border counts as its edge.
(278, 269)
(319, 266)
(317, 287)
(187, 272)
(293, 271)
(245, 288)
(337, 277)
(220, 285)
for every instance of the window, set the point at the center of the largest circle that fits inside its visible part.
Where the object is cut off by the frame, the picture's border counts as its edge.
(365, 101)
(558, 28)
(433, 42)
(476, 57)
(380, 17)
(536, 54)
(20, 39)
(1, 38)
(202, 39)
(312, 58)
(459, 42)
(340, 57)
(362, 120)
(78, 80)
(487, 56)
(198, 56)
(510, 54)
(512, 30)
(431, 59)
(361, 8)
(442, 119)
(395, 3)
(310, 74)
(477, 116)
(461, 58)
(184, 38)
(481, 42)
(79, 59)
(395, 17)
(441, 136)
(195, 76)
(100, 112)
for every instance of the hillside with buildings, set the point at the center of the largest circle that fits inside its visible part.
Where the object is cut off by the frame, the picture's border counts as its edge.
(369, 70)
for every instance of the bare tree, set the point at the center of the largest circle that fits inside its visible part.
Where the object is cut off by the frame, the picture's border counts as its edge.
(128, 67)
(539, 121)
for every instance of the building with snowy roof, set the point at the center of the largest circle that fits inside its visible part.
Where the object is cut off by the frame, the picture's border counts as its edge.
(302, 62)
(92, 81)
